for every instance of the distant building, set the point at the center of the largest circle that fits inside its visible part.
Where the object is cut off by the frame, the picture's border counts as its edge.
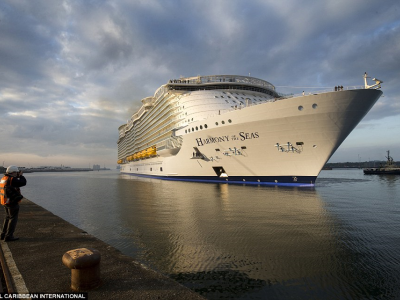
(96, 167)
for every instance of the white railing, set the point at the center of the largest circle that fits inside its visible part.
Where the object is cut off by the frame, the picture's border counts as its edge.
(345, 88)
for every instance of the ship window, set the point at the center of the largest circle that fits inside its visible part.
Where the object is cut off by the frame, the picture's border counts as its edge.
(300, 108)
(226, 101)
(216, 123)
(201, 127)
(230, 121)
(192, 129)
(229, 96)
(205, 126)
(224, 92)
(223, 122)
(151, 169)
(186, 131)
(197, 128)
(192, 119)
(314, 106)
(137, 169)
(215, 96)
(161, 169)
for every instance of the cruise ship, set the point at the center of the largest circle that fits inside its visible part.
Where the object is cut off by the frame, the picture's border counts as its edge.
(239, 129)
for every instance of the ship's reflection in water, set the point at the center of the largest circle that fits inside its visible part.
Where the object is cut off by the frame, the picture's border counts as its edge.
(232, 241)
(337, 241)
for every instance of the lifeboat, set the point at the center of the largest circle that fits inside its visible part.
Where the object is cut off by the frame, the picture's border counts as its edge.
(151, 151)
(119, 161)
(144, 153)
(148, 151)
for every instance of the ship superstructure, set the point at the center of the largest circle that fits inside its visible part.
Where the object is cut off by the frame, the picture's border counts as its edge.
(227, 128)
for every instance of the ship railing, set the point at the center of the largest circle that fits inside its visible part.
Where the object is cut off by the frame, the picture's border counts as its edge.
(147, 103)
(143, 136)
(167, 143)
(322, 91)
(155, 122)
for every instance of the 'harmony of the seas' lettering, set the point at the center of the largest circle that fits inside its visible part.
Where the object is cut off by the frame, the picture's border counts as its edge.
(225, 138)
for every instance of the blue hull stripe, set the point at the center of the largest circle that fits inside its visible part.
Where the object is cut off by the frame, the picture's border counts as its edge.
(301, 181)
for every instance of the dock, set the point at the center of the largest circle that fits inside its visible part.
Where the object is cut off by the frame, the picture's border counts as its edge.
(35, 261)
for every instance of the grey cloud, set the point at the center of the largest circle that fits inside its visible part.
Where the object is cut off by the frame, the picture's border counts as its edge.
(82, 66)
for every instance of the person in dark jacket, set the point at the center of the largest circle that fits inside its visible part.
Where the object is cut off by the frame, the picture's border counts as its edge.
(10, 197)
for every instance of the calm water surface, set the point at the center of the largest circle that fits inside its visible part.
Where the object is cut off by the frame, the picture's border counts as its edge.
(339, 240)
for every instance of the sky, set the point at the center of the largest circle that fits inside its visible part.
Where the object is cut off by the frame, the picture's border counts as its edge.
(72, 72)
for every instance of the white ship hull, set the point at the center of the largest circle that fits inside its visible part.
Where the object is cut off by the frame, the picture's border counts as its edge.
(286, 142)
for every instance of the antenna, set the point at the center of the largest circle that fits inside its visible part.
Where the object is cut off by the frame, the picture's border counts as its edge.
(377, 84)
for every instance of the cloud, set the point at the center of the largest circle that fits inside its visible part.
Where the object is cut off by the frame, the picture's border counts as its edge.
(72, 71)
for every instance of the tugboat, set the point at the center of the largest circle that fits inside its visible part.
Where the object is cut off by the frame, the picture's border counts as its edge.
(390, 168)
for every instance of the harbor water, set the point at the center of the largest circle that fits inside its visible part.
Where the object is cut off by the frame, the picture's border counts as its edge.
(339, 240)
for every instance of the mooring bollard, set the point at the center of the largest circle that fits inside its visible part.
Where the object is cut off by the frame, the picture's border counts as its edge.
(85, 268)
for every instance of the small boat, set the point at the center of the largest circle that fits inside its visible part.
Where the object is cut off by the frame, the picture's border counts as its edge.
(390, 168)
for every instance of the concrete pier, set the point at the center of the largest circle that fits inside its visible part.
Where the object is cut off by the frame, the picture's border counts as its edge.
(35, 261)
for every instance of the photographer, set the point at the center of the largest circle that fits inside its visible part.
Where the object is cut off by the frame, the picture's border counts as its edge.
(10, 196)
